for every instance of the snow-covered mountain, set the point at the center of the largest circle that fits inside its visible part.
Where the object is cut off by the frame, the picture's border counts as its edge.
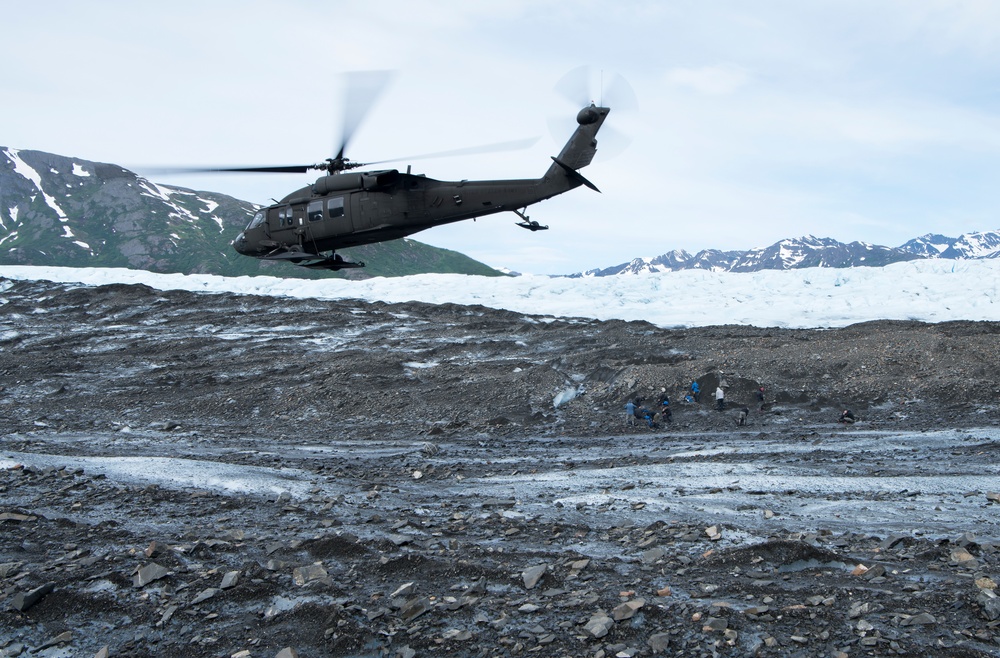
(810, 251)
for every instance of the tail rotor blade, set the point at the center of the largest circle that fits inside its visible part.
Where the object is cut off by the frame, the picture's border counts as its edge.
(620, 96)
(575, 86)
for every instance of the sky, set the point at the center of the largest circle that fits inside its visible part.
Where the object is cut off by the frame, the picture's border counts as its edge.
(934, 290)
(869, 120)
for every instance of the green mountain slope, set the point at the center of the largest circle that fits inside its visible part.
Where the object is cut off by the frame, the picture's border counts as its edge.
(69, 212)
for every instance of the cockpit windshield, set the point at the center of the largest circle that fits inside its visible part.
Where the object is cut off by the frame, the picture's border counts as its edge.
(257, 220)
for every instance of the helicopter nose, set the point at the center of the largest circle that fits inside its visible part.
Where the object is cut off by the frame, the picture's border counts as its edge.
(240, 243)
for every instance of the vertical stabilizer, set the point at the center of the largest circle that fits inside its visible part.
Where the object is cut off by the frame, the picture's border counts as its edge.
(581, 147)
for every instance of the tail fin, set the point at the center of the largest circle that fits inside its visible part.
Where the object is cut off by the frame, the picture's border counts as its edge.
(581, 147)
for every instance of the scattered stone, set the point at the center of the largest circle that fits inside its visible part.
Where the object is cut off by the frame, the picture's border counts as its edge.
(993, 497)
(715, 624)
(532, 575)
(167, 614)
(414, 608)
(659, 642)
(307, 574)
(989, 603)
(599, 625)
(920, 619)
(103, 652)
(63, 638)
(24, 600)
(287, 652)
(873, 572)
(205, 595)
(13, 516)
(7, 569)
(963, 558)
(400, 539)
(149, 573)
(891, 541)
(713, 533)
(628, 609)
(230, 579)
(405, 590)
(652, 555)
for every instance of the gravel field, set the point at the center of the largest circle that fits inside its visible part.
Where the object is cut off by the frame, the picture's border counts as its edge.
(192, 474)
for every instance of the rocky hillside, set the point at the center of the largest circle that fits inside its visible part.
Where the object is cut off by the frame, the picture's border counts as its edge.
(69, 212)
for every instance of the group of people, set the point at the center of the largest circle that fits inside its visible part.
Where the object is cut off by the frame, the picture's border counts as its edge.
(660, 412)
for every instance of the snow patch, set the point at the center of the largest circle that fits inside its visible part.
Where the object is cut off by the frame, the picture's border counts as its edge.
(925, 290)
(25, 170)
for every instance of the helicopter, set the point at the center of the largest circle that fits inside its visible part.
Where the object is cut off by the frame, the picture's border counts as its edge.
(344, 208)
(347, 208)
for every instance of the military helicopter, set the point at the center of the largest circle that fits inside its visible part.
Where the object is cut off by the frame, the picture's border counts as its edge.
(344, 208)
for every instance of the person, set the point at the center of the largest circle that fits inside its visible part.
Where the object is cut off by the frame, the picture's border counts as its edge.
(742, 420)
(760, 397)
(696, 391)
(630, 413)
(664, 398)
(664, 412)
(847, 417)
(720, 398)
(650, 420)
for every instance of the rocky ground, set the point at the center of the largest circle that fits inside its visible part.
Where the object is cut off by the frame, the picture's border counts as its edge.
(191, 474)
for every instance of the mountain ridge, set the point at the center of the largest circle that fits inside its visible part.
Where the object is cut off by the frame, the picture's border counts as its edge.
(58, 210)
(810, 251)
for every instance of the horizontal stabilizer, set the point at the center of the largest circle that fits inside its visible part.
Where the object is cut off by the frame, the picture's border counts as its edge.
(574, 174)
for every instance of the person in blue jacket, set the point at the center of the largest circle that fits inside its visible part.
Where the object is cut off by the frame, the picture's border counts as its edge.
(696, 391)
(630, 413)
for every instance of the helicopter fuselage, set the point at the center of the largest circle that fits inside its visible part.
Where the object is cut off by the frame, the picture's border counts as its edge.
(351, 209)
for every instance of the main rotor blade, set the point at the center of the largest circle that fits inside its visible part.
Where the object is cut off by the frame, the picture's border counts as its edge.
(266, 169)
(361, 90)
(470, 150)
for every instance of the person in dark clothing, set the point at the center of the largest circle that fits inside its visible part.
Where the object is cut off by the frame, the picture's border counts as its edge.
(847, 417)
(741, 421)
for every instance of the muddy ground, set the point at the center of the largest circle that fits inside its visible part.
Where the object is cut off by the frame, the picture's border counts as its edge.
(189, 474)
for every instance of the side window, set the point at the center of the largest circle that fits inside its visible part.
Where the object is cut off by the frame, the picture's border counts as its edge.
(285, 216)
(335, 207)
(315, 211)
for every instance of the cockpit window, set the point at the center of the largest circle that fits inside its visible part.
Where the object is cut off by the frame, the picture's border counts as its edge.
(257, 220)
